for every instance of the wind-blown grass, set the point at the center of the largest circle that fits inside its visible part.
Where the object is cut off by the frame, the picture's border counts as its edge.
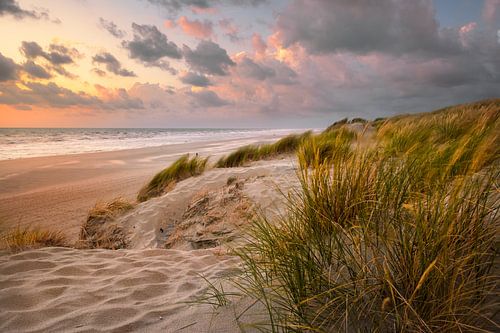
(286, 145)
(397, 237)
(329, 145)
(31, 238)
(163, 181)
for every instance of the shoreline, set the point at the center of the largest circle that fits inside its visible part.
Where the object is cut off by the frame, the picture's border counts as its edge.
(56, 192)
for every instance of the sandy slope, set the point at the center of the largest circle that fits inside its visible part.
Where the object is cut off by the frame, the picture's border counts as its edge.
(58, 191)
(145, 288)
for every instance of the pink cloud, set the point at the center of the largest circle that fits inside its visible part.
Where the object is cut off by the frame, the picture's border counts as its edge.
(230, 29)
(169, 24)
(196, 28)
(465, 33)
(468, 28)
(259, 45)
(491, 10)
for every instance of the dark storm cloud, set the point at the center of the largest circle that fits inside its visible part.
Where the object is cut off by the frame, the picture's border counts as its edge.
(363, 26)
(149, 46)
(208, 57)
(8, 69)
(195, 79)
(35, 70)
(11, 7)
(207, 99)
(176, 5)
(386, 56)
(112, 64)
(111, 27)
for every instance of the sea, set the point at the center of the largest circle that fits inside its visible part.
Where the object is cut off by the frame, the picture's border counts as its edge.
(32, 142)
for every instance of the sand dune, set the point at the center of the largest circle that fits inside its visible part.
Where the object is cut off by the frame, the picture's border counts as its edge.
(147, 288)
(58, 191)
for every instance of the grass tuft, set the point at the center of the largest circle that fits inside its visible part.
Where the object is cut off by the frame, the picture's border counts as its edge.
(286, 145)
(100, 230)
(163, 181)
(26, 238)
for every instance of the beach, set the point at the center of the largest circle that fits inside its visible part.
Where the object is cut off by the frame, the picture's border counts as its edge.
(58, 191)
(177, 242)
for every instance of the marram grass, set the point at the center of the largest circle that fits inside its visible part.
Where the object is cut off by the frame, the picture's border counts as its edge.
(396, 237)
(243, 155)
(183, 168)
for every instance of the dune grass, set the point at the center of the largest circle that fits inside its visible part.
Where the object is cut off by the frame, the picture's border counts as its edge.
(100, 231)
(286, 145)
(163, 181)
(327, 146)
(398, 237)
(25, 238)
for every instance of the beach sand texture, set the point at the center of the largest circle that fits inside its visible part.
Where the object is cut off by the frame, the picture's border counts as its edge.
(146, 288)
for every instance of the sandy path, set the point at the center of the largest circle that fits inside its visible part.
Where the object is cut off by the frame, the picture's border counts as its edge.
(58, 191)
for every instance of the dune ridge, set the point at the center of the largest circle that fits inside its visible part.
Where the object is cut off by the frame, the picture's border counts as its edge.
(147, 287)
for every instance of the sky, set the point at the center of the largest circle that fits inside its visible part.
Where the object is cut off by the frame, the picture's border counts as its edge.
(241, 63)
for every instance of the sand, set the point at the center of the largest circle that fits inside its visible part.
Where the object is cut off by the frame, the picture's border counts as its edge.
(68, 290)
(58, 191)
(156, 284)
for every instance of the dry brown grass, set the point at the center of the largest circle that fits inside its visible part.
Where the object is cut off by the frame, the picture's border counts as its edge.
(26, 238)
(100, 230)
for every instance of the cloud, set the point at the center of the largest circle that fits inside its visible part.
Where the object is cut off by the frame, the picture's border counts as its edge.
(11, 7)
(208, 57)
(39, 94)
(491, 11)
(196, 28)
(230, 30)
(117, 99)
(249, 68)
(149, 46)
(31, 50)
(112, 64)
(99, 72)
(51, 95)
(207, 99)
(57, 54)
(395, 27)
(259, 45)
(195, 79)
(36, 71)
(112, 28)
(8, 69)
(173, 6)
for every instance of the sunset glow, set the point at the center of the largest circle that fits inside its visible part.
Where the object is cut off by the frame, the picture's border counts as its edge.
(257, 63)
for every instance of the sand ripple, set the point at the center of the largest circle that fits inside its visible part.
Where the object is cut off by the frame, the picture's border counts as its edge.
(60, 289)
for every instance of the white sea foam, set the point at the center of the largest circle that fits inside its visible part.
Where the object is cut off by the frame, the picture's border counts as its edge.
(32, 142)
